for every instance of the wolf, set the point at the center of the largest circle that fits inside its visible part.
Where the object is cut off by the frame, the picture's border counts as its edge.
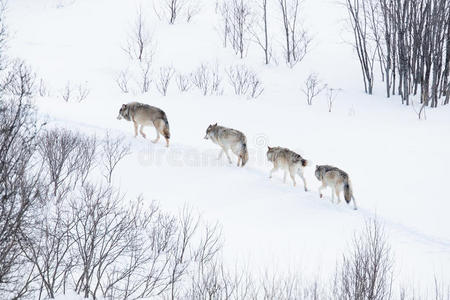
(146, 115)
(228, 138)
(288, 161)
(338, 180)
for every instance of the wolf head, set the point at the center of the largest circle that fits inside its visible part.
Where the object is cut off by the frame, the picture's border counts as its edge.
(270, 152)
(244, 154)
(318, 173)
(124, 113)
(209, 131)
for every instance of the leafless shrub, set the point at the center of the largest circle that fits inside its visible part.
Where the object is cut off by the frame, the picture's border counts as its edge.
(42, 89)
(146, 80)
(313, 87)
(366, 272)
(165, 76)
(88, 154)
(331, 96)
(82, 91)
(114, 150)
(244, 81)
(139, 44)
(122, 81)
(48, 247)
(19, 80)
(64, 155)
(208, 80)
(183, 82)
(100, 235)
(66, 93)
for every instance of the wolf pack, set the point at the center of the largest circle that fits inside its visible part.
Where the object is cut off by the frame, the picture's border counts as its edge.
(227, 139)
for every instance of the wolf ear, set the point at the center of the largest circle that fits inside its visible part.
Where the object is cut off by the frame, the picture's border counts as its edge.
(268, 148)
(215, 125)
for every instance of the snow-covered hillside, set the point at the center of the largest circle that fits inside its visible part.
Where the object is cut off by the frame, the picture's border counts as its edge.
(398, 164)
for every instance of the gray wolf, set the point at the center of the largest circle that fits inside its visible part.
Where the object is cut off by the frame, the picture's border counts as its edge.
(146, 115)
(288, 161)
(338, 180)
(228, 138)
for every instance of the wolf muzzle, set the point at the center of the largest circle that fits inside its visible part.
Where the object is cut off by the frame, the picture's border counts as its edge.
(119, 117)
(206, 137)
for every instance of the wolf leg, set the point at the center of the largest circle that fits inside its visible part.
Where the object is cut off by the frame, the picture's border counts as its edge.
(274, 169)
(300, 173)
(135, 129)
(239, 161)
(220, 154)
(338, 193)
(354, 203)
(320, 189)
(292, 174)
(141, 130)
(333, 191)
(228, 155)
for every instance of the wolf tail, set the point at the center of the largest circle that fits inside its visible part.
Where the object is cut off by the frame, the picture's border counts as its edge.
(348, 193)
(244, 154)
(305, 162)
(166, 130)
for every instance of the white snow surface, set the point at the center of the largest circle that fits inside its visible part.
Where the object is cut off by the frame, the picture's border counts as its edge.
(398, 164)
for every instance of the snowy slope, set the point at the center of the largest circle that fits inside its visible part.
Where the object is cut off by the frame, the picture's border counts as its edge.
(398, 165)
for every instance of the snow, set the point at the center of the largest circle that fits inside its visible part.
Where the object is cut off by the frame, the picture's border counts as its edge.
(398, 164)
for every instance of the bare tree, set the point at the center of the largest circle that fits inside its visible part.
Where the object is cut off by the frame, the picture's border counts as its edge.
(260, 32)
(331, 96)
(165, 76)
(114, 150)
(240, 22)
(313, 87)
(225, 12)
(192, 10)
(139, 44)
(171, 10)
(3, 35)
(21, 192)
(297, 41)
(360, 19)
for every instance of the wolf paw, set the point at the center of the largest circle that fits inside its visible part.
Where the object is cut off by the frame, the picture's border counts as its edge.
(321, 195)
